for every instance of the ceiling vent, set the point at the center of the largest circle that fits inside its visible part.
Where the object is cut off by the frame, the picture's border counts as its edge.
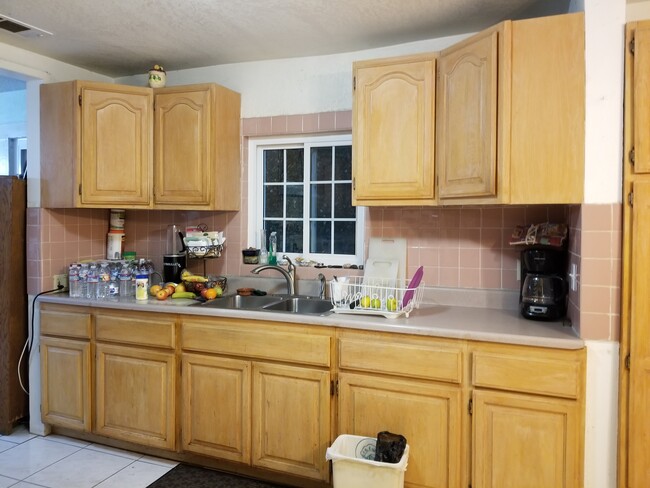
(21, 28)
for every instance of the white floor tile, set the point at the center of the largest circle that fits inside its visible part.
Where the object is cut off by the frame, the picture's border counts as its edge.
(24, 484)
(7, 482)
(18, 436)
(159, 461)
(83, 469)
(113, 450)
(135, 475)
(6, 445)
(67, 440)
(29, 457)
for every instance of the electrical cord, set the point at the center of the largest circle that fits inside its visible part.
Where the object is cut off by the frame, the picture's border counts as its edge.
(30, 339)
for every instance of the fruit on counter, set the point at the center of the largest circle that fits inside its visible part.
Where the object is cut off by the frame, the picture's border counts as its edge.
(170, 288)
(210, 294)
(154, 290)
(365, 301)
(183, 294)
(180, 288)
(219, 291)
(198, 287)
(162, 294)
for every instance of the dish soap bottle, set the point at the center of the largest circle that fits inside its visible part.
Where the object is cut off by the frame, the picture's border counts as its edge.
(273, 249)
(264, 255)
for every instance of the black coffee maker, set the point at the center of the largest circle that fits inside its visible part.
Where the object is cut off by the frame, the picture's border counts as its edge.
(544, 292)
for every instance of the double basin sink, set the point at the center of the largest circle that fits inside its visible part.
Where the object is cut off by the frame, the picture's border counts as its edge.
(301, 305)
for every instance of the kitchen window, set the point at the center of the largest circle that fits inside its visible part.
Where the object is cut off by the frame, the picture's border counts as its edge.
(301, 188)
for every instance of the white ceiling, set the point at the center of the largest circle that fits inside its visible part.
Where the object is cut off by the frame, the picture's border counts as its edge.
(125, 37)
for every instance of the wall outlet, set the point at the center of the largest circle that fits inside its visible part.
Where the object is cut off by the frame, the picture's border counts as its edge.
(61, 279)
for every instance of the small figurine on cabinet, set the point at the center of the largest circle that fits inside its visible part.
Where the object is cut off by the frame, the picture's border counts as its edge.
(157, 76)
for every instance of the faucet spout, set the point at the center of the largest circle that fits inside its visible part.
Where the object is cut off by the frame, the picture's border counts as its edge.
(289, 273)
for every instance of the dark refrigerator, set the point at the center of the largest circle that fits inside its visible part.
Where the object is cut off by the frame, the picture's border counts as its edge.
(13, 301)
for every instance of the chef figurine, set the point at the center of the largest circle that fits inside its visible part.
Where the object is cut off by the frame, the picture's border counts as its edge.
(157, 76)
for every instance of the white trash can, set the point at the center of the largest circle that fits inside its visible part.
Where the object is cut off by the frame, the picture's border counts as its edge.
(353, 465)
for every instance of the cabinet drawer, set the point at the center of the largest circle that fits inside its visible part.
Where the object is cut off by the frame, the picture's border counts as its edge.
(156, 331)
(264, 341)
(63, 321)
(428, 359)
(530, 371)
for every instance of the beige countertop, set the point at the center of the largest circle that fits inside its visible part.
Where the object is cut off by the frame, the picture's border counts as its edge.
(441, 320)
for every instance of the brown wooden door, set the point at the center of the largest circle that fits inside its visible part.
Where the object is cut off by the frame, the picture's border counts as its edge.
(291, 419)
(65, 383)
(523, 440)
(135, 395)
(183, 136)
(467, 119)
(216, 407)
(116, 147)
(393, 132)
(427, 414)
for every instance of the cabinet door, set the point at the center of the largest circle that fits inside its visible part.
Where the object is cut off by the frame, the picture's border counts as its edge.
(641, 98)
(523, 440)
(182, 130)
(291, 419)
(116, 147)
(466, 135)
(638, 429)
(65, 383)
(428, 415)
(393, 132)
(216, 407)
(135, 395)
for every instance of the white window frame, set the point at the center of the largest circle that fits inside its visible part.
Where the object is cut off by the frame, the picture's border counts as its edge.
(256, 195)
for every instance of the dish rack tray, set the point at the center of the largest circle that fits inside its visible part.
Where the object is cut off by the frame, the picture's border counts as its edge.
(387, 297)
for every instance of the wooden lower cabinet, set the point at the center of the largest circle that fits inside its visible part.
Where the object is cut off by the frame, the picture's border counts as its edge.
(65, 383)
(291, 419)
(216, 399)
(427, 414)
(524, 440)
(135, 395)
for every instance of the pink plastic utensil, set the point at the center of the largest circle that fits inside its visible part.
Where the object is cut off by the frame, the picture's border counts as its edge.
(413, 284)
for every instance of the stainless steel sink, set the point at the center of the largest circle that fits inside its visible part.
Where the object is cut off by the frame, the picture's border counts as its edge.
(238, 302)
(301, 305)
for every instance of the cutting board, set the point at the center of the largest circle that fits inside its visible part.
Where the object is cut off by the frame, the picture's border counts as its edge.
(377, 269)
(395, 248)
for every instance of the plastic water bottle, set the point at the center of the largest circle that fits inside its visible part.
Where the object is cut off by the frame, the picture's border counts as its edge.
(92, 280)
(125, 280)
(103, 281)
(73, 281)
(83, 281)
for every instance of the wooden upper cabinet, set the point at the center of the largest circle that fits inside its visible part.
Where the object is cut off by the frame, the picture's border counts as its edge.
(98, 150)
(511, 110)
(196, 155)
(467, 118)
(637, 92)
(393, 131)
(96, 145)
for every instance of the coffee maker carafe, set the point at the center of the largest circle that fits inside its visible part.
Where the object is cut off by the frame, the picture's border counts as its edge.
(174, 259)
(543, 292)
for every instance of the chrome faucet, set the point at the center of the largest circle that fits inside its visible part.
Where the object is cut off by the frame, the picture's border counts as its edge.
(321, 294)
(289, 273)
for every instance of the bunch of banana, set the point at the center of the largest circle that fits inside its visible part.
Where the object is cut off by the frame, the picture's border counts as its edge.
(192, 278)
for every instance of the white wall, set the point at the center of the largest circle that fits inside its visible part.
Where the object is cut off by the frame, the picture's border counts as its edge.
(296, 85)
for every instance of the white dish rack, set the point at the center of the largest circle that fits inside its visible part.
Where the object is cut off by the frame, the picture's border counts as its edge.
(374, 296)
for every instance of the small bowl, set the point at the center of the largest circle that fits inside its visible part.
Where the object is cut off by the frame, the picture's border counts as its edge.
(245, 291)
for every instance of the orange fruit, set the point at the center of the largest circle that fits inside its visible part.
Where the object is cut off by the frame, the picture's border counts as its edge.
(162, 294)
(210, 294)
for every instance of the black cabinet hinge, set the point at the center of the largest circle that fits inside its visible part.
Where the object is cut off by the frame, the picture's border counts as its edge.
(627, 362)
(470, 407)
(79, 188)
(631, 46)
(631, 156)
(80, 100)
(354, 83)
(630, 198)
(334, 387)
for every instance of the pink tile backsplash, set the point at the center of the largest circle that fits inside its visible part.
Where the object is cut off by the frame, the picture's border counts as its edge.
(459, 247)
